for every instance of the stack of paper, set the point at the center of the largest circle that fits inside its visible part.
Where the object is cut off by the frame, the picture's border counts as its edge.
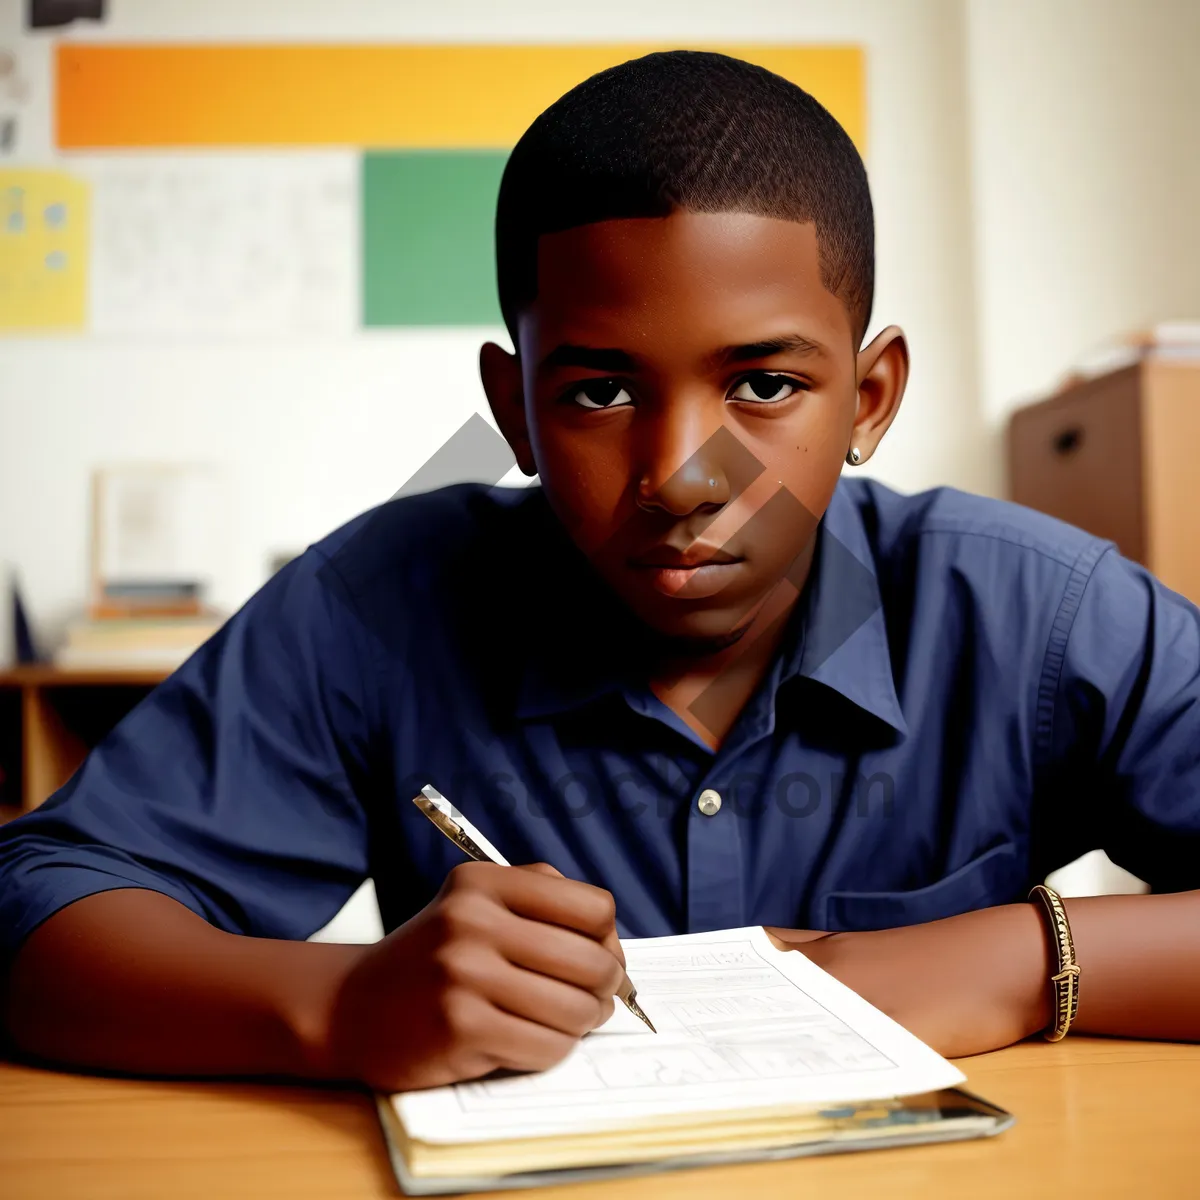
(758, 1053)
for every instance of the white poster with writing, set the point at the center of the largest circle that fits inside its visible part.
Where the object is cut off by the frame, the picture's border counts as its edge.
(249, 244)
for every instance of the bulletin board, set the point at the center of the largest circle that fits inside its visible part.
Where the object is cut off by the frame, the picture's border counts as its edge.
(298, 189)
(44, 218)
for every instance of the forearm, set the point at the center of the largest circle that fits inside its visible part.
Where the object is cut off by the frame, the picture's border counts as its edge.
(1139, 959)
(131, 980)
(981, 980)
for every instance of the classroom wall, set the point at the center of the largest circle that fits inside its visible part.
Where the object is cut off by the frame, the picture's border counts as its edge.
(310, 431)
(1036, 174)
(1085, 178)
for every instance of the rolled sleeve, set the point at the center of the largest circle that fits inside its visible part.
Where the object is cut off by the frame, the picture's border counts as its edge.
(1129, 720)
(237, 787)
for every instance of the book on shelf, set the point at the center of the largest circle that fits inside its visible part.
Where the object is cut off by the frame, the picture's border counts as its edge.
(759, 1054)
(147, 643)
(117, 601)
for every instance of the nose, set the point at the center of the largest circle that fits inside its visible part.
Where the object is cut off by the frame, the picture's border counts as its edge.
(682, 467)
(688, 468)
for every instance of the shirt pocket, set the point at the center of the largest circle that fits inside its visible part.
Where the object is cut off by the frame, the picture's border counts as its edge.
(995, 877)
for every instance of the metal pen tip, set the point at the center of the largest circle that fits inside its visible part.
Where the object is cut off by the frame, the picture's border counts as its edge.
(635, 1008)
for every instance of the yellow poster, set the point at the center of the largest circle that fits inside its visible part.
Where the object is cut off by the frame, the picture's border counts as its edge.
(43, 250)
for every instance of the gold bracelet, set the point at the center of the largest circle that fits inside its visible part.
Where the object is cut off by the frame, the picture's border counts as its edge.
(1065, 980)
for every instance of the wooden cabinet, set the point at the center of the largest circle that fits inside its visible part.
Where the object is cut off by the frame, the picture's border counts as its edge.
(1119, 456)
(49, 719)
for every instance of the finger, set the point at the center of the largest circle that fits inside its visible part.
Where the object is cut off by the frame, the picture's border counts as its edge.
(541, 868)
(523, 1045)
(611, 940)
(487, 1037)
(555, 901)
(558, 953)
(534, 996)
(471, 914)
(612, 943)
(539, 894)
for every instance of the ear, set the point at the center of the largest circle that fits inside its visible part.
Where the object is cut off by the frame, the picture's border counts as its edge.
(882, 373)
(501, 375)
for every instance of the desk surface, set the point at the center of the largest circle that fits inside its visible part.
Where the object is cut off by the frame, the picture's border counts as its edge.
(1095, 1118)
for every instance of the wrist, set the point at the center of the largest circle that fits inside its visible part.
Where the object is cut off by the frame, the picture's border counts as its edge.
(1034, 953)
(308, 1008)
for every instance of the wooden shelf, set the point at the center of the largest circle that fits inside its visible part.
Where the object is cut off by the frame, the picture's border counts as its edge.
(47, 676)
(51, 718)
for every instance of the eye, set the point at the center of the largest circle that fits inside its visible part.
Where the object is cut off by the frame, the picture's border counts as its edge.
(764, 388)
(600, 393)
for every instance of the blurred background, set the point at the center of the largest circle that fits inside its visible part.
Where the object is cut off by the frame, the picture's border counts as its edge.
(245, 271)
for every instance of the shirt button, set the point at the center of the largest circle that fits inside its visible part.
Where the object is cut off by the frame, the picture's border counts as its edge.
(709, 803)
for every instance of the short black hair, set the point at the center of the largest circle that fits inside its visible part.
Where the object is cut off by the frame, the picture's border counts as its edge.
(694, 130)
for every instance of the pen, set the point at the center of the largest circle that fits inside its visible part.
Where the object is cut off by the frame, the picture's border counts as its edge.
(473, 844)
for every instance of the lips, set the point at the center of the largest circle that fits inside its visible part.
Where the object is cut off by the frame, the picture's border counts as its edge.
(694, 556)
(696, 573)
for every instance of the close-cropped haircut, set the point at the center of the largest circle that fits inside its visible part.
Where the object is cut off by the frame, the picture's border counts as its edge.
(691, 130)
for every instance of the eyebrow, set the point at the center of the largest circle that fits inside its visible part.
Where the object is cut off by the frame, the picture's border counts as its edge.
(590, 358)
(599, 358)
(787, 343)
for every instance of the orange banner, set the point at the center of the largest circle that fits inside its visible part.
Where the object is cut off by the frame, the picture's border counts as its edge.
(398, 96)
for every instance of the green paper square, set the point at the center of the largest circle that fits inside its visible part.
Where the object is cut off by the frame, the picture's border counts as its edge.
(428, 250)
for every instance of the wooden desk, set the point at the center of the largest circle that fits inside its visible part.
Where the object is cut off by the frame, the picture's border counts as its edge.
(1095, 1118)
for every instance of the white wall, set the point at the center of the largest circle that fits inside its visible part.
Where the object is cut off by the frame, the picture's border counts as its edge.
(1085, 160)
(1036, 172)
(311, 431)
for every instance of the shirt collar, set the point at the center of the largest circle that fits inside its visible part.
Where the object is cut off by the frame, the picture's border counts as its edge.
(842, 639)
(838, 637)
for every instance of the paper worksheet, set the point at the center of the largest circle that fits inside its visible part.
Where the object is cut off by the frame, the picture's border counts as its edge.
(740, 1025)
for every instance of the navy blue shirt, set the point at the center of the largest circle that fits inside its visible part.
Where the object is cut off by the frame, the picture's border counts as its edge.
(967, 696)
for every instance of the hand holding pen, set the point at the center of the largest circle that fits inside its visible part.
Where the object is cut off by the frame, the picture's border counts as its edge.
(505, 968)
(472, 843)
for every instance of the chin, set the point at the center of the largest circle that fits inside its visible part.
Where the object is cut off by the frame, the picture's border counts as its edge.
(706, 627)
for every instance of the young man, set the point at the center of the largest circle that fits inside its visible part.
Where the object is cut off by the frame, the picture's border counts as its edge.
(694, 672)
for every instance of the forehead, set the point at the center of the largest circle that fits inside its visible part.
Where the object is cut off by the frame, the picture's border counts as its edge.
(721, 277)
